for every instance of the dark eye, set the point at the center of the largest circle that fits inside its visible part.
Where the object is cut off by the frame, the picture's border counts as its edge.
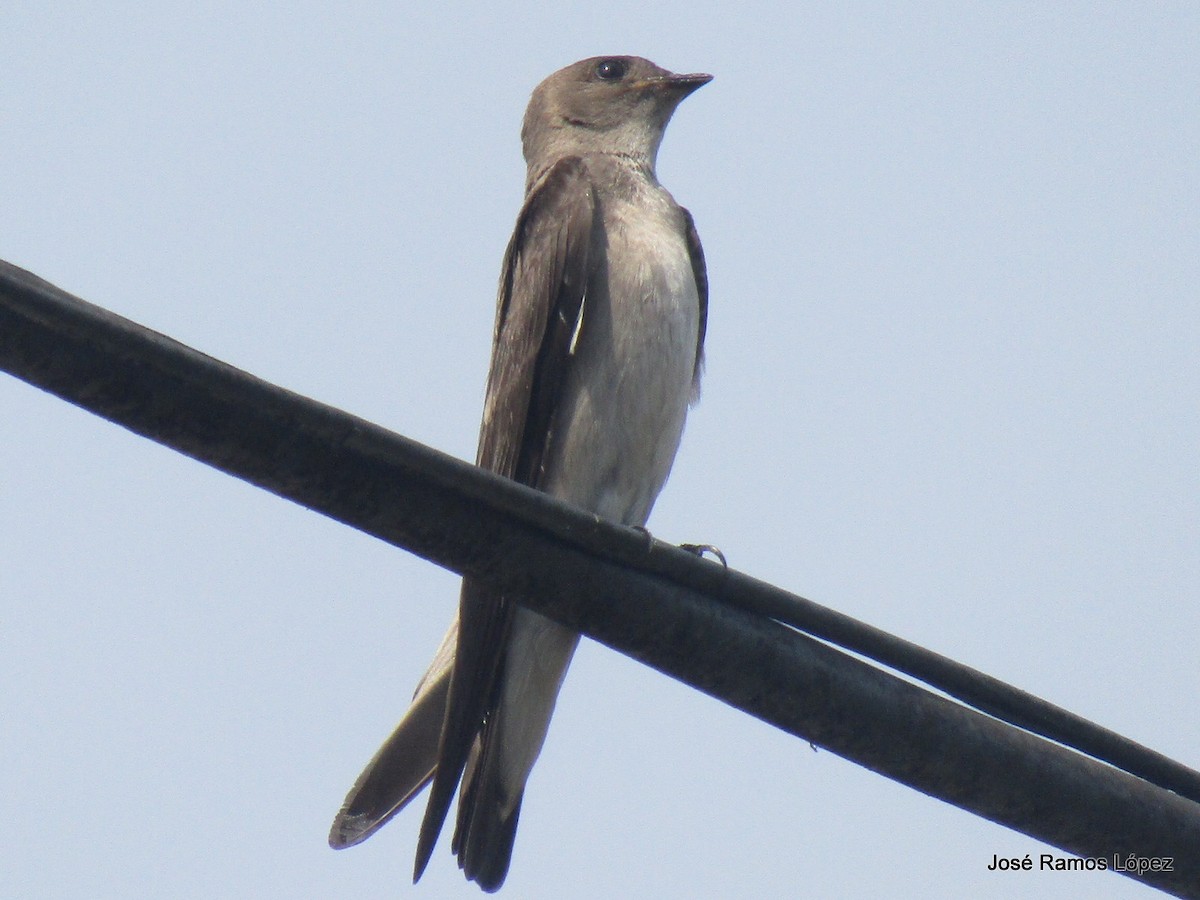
(612, 69)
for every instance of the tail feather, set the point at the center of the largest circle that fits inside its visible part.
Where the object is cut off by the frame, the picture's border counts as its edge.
(503, 755)
(487, 825)
(404, 764)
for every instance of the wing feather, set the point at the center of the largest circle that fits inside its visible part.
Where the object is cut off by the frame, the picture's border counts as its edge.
(541, 298)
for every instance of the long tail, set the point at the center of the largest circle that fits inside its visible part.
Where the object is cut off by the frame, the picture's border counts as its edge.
(405, 762)
(494, 779)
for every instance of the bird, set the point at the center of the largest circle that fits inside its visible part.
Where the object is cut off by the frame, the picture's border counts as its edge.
(597, 354)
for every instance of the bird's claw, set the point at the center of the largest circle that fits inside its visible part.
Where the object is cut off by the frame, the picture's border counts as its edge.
(701, 549)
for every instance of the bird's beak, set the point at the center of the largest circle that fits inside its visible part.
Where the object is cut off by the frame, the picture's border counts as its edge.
(679, 85)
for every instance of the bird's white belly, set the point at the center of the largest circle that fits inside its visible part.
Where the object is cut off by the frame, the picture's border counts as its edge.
(628, 390)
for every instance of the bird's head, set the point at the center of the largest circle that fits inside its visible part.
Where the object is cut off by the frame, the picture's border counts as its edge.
(606, 104)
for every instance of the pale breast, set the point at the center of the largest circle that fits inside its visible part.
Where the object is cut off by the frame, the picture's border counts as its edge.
(623, 409)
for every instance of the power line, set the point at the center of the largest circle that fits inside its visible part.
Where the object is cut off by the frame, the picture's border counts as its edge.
(715, 629)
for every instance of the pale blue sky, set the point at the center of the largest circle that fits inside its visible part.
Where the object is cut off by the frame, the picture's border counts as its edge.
(952, 390)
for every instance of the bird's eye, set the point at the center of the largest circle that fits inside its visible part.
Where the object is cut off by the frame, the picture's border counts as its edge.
(611, 69)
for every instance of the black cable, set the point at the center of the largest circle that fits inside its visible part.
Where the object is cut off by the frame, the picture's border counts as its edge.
(713, 628)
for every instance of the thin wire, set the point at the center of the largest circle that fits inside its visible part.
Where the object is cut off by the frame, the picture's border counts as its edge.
(709, 626)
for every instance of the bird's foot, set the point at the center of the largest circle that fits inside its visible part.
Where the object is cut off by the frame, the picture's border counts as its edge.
(701, 549)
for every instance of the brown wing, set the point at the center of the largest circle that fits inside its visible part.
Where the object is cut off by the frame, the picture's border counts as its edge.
(541, 298)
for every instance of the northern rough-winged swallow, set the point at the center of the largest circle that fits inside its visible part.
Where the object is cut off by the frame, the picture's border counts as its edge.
(596, 357)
